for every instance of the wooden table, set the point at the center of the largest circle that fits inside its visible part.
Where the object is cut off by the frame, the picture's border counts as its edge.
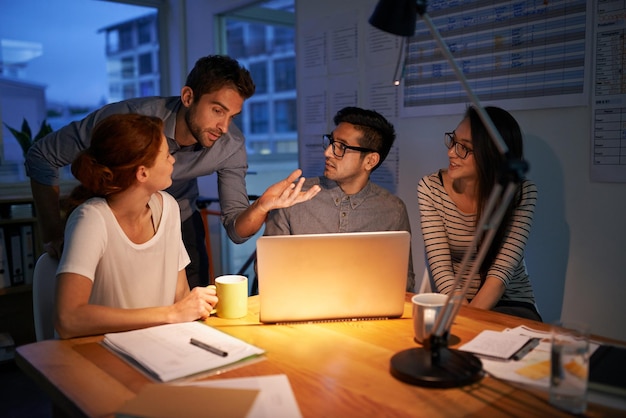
(336, 369)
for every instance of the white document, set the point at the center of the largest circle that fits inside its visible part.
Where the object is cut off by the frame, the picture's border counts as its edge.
(166, 354)
(495, 344)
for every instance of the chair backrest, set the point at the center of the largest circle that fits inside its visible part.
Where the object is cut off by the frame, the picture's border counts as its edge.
(426, 285)
(44, 292)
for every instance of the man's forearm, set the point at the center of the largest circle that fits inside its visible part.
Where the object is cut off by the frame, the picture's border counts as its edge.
(250, 221)
(47, 205)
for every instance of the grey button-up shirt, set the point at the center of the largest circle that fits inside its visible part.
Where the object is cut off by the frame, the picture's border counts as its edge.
(227, 157)
(372, 209)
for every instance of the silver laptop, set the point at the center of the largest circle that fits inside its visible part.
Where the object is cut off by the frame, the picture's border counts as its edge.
(322, 277)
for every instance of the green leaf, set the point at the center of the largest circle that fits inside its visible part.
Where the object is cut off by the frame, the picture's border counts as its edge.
(44, 130)
(26, 129)
(25, 137)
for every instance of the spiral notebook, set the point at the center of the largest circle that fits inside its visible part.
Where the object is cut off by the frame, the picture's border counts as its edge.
(322, 277)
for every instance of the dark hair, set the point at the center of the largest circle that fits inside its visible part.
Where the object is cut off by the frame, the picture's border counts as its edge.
(489, 166)
(378, 133)
(213, 72)
(119, 145)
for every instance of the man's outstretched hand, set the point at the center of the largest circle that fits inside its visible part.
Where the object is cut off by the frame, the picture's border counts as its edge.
(286, 193)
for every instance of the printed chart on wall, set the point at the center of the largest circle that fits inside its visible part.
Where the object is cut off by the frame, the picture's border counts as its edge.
(608, 147)
(525, 54)
(330, 63)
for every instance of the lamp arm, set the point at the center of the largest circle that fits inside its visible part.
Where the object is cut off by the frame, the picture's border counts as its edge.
(493, 132)
(490, 221)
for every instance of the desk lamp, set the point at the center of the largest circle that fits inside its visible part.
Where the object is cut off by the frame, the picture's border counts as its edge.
(436, 365)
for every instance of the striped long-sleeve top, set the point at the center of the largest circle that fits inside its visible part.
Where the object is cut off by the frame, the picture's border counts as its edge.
(448, 233)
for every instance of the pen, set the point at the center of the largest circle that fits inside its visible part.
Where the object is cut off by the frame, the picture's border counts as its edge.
(207, 347)
(527, 348)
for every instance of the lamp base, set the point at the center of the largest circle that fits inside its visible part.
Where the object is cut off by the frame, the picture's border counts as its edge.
(452, 368)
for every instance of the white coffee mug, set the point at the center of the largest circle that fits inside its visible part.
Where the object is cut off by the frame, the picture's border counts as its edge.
(426, 307)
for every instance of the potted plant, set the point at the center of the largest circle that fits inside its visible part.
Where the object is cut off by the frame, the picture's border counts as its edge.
(25, 136)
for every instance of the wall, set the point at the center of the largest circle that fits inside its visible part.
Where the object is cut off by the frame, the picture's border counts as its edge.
(575, 249)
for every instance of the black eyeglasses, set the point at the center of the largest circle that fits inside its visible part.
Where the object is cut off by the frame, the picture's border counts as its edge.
(339, 148)
(461, 150)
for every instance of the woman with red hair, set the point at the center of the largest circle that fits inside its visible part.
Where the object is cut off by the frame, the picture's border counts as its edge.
(123, 263)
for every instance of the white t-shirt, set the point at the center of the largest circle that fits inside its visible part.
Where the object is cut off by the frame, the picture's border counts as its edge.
(125, 274)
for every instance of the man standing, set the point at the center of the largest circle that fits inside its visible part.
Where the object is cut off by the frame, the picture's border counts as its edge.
(200, 136)
(348, 200)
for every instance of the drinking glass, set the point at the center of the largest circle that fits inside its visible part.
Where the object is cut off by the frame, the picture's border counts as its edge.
(569, 366)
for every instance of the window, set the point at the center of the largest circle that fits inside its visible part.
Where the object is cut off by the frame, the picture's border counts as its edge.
(236, 44)
(258, 71)
(113, 41)
(259, 123)
(284, 39)
(285, 115)
(129, 91)
(261, 38)
(285, 74)
(126, 38)
(145, 63)
(71, 65)
(257, 35)
(269, 116)
(128, 67)
(144, 31)
(147, 88)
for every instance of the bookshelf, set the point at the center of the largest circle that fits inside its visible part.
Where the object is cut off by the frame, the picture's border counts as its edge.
(19, 231)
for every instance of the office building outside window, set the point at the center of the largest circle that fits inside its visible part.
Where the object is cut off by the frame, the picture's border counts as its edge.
(63, 90)
(269, 117)
(132, 50)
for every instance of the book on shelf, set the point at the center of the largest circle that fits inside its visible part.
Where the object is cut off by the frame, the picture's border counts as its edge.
(28, 253)
(14, 247)
(5, 276)
(166, 352)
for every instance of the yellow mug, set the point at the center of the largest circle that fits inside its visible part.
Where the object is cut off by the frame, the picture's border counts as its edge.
(232, 295)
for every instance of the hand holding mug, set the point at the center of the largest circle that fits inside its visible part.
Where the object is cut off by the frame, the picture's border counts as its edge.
(232, 294)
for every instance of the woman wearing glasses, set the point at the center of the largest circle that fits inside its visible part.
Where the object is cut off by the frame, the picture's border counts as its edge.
(451, 203)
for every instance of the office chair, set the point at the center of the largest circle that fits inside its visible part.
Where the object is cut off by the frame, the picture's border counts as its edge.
(44, 292)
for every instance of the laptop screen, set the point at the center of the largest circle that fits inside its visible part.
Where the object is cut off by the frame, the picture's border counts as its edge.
(319, 277)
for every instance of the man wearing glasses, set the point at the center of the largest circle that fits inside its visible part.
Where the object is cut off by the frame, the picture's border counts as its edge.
(348, 200)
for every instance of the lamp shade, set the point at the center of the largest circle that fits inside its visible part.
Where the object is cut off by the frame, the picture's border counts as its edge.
(395, 16)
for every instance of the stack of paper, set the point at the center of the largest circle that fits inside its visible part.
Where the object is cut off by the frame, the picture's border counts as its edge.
(165, 353)
(496, 345)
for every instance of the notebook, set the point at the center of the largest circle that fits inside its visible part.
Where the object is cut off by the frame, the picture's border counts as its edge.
(321, 277)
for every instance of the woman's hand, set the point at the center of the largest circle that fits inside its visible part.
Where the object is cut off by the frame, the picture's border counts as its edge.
(197, 304)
